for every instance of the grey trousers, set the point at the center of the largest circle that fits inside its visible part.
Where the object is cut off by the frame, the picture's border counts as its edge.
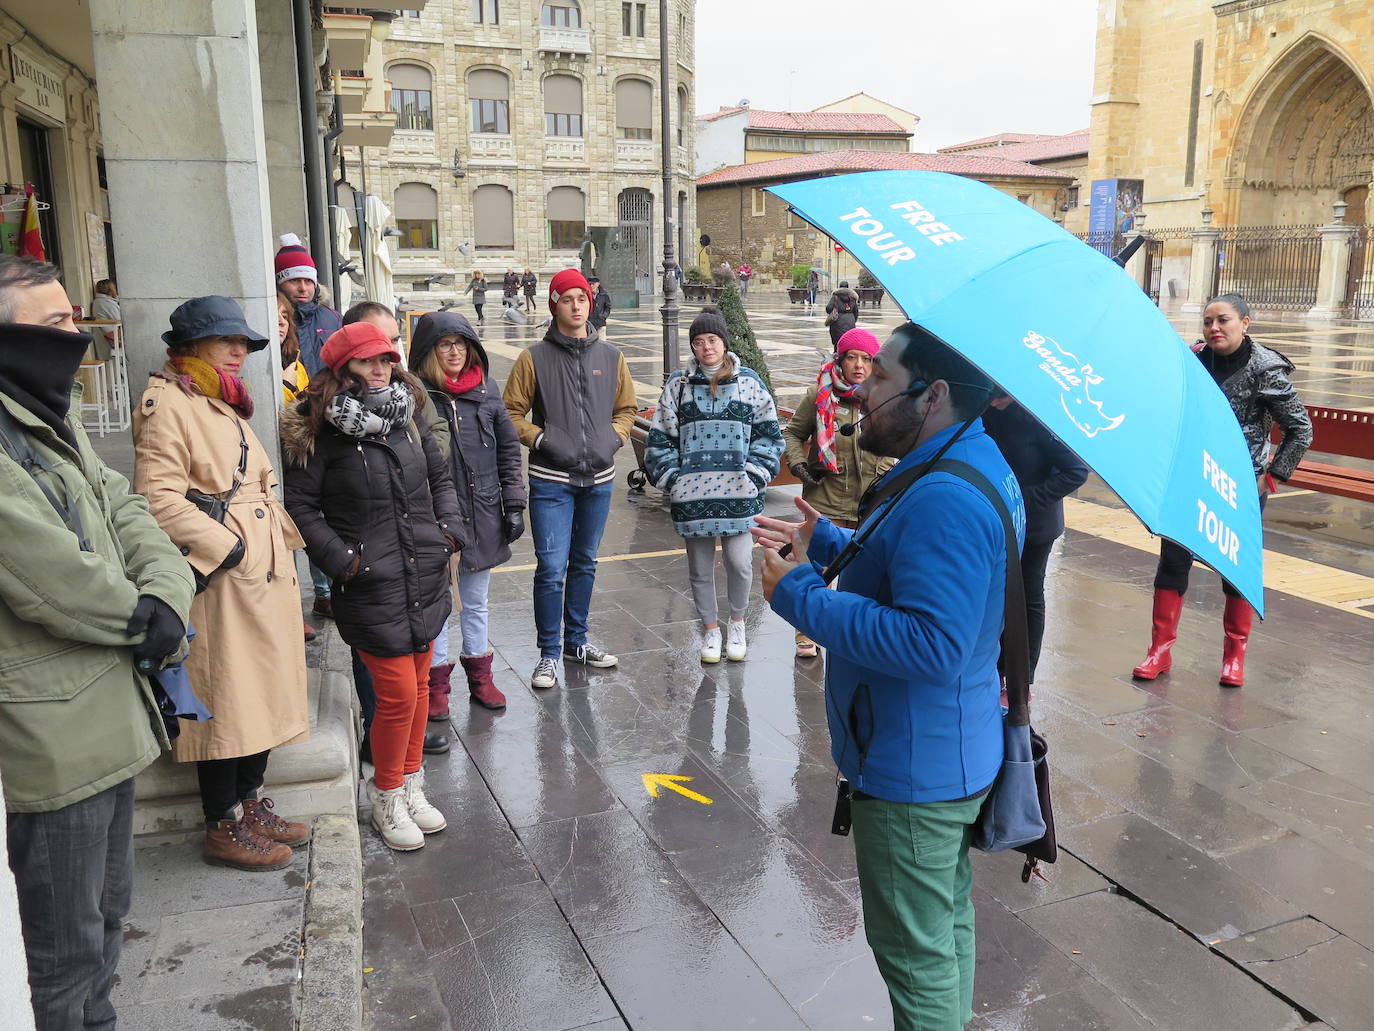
(74, 868)
(739, 573)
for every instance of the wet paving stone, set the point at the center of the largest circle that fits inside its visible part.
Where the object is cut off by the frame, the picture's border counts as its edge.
(998, 875)
(1190, 888)
(844, 996)
(1322, 971)
(1324, 803)
(1166, 976)
(1332, 750)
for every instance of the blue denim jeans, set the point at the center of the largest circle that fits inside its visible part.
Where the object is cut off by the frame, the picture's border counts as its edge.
(74, 869)
(319, 579)
(566, 523)
(473, 588)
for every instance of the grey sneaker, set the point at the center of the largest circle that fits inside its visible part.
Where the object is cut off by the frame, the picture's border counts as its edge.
(545, 674)
(590, 655)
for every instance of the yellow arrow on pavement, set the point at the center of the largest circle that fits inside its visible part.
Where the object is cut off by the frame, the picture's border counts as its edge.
(654, 781)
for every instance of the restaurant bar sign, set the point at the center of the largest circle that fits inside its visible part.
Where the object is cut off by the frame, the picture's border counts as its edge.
(39, 80)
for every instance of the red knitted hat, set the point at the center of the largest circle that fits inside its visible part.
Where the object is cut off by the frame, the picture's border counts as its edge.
(294, 261)
(356, 340)
(565, 281)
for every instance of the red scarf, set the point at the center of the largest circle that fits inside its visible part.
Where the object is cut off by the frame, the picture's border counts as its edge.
(831, 388)
(467, 379)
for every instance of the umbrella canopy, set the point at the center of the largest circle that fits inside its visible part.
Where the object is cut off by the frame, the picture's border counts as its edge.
(376, 255)
(1067, 333)
(343, 244)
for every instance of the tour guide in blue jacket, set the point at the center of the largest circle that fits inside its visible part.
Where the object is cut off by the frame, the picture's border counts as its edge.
(912, 642)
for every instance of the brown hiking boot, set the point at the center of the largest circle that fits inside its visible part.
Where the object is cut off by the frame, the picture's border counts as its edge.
(257, 813)
(235, 843)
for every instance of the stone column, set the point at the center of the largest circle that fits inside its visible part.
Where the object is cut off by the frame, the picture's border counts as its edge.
(188, 177)
(1201, 267)
(281, 116)
(1337, 237)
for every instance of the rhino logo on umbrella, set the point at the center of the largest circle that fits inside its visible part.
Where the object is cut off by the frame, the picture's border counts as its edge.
(1074, 379)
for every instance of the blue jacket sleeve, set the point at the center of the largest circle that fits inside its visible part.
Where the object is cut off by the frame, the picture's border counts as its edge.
(827, 541)
(939, 561)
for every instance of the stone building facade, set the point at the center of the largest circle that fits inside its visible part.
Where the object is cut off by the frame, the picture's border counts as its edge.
(522, 124)
(1259, 110)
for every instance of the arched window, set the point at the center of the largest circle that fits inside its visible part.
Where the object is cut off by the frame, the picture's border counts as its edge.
(567, 212)
(489, 98)
(564, 14)
(562, 106)
(682, 116)
(417, 217)
(634, 110)
(412, 96)
(493, 216)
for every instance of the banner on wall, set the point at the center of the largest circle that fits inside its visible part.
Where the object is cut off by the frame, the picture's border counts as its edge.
(1114, 206)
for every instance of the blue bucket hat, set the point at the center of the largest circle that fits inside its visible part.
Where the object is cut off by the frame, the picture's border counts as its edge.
(213, 316)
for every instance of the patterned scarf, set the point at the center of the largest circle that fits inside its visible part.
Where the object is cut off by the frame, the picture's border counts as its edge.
(831, 389)
(375, 414)
(198, 376)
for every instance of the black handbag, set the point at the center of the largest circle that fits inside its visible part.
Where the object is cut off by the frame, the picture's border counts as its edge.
(216, 506)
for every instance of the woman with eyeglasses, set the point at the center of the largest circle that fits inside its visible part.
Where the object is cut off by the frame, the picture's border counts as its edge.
(372, 495)
(470, 422)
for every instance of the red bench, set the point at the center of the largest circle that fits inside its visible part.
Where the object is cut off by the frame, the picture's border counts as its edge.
(1337, 431)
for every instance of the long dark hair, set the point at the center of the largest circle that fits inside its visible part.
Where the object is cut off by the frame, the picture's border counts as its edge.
(327, 384)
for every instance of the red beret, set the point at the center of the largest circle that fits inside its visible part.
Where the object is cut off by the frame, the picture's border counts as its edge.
(357, 340)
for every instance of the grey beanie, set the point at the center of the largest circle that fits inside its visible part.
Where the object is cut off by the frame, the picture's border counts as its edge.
(711, 320)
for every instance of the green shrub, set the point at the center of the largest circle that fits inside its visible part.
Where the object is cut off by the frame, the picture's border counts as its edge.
(799, 274)
(866, 280)
(694, 275)
(742, 340)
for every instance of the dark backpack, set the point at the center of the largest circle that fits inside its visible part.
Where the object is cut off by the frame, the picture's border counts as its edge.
(846, 305)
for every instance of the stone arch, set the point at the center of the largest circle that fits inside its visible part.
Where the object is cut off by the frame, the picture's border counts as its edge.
(1305, 138)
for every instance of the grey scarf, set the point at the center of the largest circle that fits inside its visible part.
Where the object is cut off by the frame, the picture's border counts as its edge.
(375, 414)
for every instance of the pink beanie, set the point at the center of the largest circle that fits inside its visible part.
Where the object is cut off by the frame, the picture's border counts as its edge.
(857, 339)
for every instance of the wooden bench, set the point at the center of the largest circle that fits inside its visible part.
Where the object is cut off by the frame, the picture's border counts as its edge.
(1337, 431)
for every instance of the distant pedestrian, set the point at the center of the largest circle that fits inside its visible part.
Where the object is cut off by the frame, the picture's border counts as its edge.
(105, 308)
(373, 497)
(834, 471)
(1048, 472)
(745, 273)
(470, 422)
(725, 275)
(1255, 379)
(529, 282)
(841, 312)
(299, 280)
(510, 289)
(93, 592)
(912, 639)
(572, 401)
(601, 306)
(192, 447)
(477, 286)
(713, 446)
(813, 284)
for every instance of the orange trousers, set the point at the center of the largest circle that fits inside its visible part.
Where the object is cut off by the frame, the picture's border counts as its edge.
(398, 729)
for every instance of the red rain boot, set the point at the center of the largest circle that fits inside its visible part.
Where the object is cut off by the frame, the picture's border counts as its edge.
(1164, 632)
(482, 687)
(1235, 621)
(439, 687)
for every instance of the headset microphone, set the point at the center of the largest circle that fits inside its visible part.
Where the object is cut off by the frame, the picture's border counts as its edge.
(849, 429)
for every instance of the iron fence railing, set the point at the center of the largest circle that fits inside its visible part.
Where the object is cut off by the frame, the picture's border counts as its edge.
(1274, 267)
(1359, 278)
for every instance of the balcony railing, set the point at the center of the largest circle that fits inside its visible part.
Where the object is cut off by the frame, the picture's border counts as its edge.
(558, 40)
(491, 146)
(636, 153)
(565, 148)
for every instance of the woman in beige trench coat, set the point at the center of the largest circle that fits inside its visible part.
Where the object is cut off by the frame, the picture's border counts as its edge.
(247, 661)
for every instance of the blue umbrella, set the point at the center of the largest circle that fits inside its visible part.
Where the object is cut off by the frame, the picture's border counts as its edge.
(1068, 334)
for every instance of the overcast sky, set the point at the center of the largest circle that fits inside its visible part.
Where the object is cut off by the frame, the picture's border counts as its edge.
(969, 68)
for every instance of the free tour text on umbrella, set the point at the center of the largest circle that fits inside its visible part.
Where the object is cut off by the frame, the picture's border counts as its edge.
(1208, 523)
(886, 243)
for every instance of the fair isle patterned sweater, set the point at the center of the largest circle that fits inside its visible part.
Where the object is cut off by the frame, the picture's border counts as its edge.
(714, 455)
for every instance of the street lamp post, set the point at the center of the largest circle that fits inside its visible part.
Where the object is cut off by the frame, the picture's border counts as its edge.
(670, 284)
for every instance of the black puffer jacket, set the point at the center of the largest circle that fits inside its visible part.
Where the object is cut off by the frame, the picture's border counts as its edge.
(389, 499)
(475, 432)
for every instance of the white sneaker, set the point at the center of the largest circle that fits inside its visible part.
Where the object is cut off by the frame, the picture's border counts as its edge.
(392, 818)
(426, 817)
(736, 647)
(710, 645)
(545, 674)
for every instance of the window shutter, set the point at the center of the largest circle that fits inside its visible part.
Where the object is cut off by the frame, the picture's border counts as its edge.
(410, 76)
(562, 95)
(416, 201)
(634, 101)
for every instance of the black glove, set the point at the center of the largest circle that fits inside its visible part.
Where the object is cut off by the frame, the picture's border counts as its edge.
(802, 471)
(514, 522)
(164, 631)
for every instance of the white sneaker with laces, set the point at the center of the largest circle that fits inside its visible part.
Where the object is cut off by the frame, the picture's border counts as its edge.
(710, 645)
(391, 817)
(545, 674)
(426, 817)
(736, 647)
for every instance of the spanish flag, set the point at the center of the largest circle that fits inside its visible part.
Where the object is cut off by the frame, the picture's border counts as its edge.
(30, 236)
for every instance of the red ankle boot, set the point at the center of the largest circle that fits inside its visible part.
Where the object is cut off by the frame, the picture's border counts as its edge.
(480, 683)
(1164, 632)
(1235, 621)
(439, 687)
